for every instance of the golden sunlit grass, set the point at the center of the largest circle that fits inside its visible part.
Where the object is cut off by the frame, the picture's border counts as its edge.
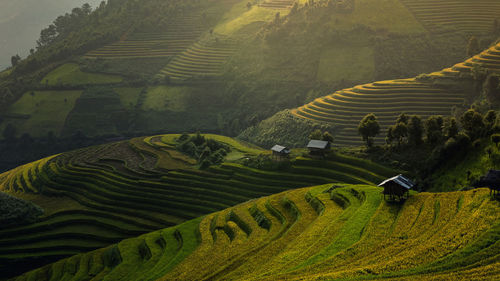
(357, 235)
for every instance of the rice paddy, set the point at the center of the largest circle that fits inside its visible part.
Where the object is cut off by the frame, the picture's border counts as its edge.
(343, 233)
(128, 188)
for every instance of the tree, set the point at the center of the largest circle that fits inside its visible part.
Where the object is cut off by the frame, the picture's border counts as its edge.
(450, 129)
(472, 122)
(495, 138)
(14, 60)
(415, 131)
(316, 135)
(327, 137)
(434, 129)
(369, 128)
(489, 121)
(400, 132)
(402, 118)
(47, 36)
(390, 136)
(472, 46)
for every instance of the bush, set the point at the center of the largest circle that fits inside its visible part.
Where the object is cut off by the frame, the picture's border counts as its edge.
(14, 211)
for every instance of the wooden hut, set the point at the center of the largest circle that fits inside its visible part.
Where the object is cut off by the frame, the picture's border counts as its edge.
(397, 187)
(491, 180)
(280, 152)
(318, 147)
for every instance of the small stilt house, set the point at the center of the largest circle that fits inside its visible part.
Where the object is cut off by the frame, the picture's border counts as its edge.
(280, 152)
(397, 187)
(318, 147)
(490, 180)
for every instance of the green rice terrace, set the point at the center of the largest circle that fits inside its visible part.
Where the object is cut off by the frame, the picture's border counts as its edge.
(202, 59)
(341, 232)
(96, 196)
(277, 4)
(473, 17)
(425, 95)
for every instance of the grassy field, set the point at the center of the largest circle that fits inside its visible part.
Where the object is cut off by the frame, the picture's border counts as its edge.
(396, 17)
(240, 16)
(44, 110)
(129, 96)
(316, 233)
(162, 98)
(124, 189)
(346, 63)
(70, 74)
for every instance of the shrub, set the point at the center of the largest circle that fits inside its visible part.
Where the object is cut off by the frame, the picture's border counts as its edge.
(14, 211)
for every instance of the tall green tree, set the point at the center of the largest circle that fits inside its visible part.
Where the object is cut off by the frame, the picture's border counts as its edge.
(450, 129)
(369, 128)
(472, 123)
(415, 131)
(434, 130)
(400, 132)
(489, 121)
(14, 60)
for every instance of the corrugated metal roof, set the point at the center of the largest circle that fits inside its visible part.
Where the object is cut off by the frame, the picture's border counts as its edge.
(317, 144)
(280, 149)
(401, 180)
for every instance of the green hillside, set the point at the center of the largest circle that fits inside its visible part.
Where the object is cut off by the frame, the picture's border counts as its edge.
(96, 196)
(436, 93)
(236, 63)
(346, 232)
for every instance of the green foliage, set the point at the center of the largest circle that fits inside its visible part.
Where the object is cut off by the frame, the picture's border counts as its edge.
(472, 123)
(495, 138)
(369, 128)
(415, 131)
(283, 128)
(207, 151)
(16, 212)
(434, 129)
(450, 129)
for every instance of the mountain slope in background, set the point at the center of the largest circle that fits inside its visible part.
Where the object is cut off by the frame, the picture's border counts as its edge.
(21, 23)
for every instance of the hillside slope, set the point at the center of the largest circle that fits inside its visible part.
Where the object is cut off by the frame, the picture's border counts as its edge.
(100, 195)
(432, 94)
(345, 233)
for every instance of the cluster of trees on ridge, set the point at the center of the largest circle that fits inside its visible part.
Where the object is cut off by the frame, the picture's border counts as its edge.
(435, 130)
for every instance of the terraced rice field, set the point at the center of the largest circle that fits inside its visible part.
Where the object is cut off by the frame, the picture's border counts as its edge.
(125, 189)
(318, 233)
(201, 60)
(179, 36)
(277, 4)
(470, 16)
(388, 99)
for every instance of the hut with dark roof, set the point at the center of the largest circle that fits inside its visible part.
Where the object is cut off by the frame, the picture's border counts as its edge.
(397, 187)
(318, 147)
(280, 152)
(491, 180)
